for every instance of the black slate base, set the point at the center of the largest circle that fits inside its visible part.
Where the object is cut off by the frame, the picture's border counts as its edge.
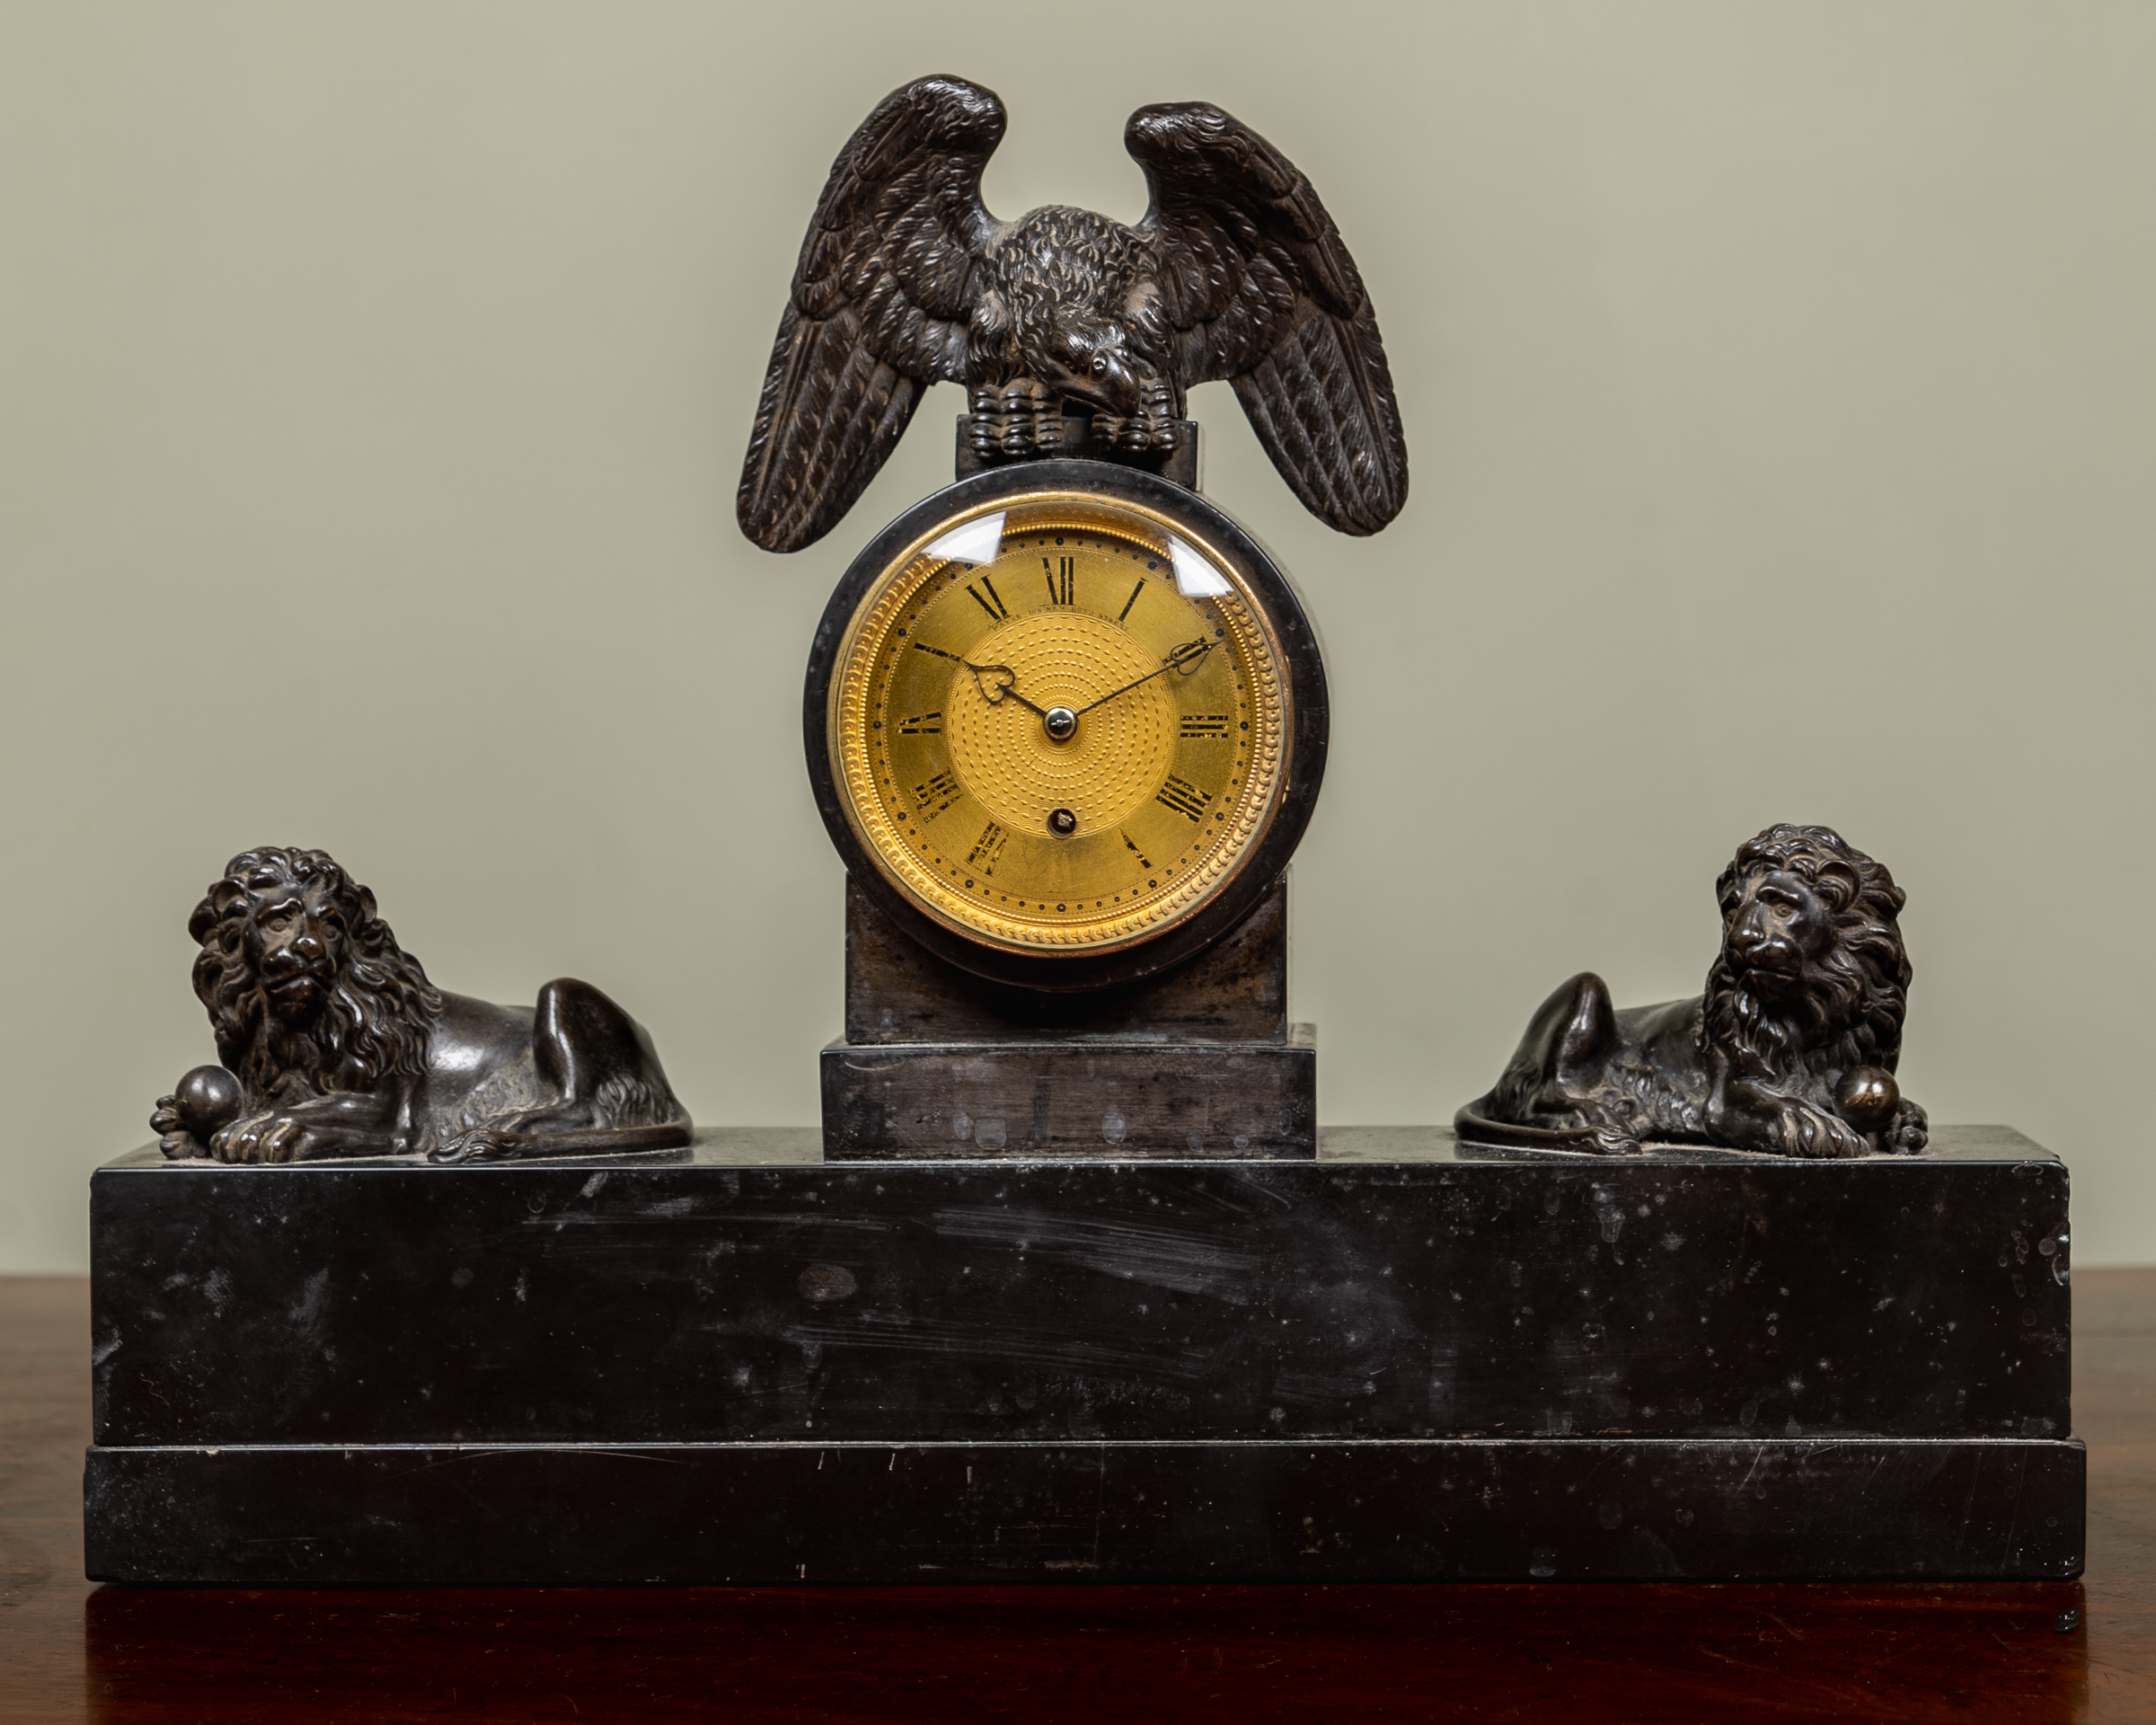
(1451, 1361)
(1373, 1510)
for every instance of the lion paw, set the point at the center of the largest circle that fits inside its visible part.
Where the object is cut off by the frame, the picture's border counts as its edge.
(264, 1137)
(1910, 1132)
(173, 1138)
(1807, 1132)
(480, 1145)
(204, 1099)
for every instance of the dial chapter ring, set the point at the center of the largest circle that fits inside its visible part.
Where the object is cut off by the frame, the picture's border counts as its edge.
(897, 833)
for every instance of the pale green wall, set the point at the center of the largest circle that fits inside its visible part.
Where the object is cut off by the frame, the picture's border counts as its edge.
(374, 379)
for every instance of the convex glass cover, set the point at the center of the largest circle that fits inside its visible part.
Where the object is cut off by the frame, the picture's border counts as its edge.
(1060, 722)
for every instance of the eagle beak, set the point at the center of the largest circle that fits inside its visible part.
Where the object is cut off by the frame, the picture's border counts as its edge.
(1112, 391)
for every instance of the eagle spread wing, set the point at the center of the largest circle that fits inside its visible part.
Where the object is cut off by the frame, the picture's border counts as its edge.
(1258, 287)
(879, 310)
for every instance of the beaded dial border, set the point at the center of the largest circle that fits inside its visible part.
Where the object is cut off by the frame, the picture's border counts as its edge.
(847, 728)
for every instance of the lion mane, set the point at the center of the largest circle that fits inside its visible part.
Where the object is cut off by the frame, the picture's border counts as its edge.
(1849, 1008)
(380, 1011)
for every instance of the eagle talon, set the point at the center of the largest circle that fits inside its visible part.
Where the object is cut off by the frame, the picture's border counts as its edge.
(1158, 415)
(1018, 419)
(985, 425)
(1027, 409)
(1153, 428)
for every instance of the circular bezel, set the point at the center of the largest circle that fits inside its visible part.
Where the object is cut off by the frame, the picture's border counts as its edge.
(1256, 864)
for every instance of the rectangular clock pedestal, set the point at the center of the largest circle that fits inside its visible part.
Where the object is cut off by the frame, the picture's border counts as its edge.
(1405, 1358)
(1200, 1062)
(903, 1101)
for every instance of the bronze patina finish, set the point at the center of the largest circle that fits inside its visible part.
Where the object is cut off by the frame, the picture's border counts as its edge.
(1791, 1050)
(1236, 272)
(335, 1044)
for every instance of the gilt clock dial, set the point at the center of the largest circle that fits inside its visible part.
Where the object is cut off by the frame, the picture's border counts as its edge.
(1062, 724)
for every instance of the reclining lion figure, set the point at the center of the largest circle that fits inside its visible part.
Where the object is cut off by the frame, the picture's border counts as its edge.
(335, 1044)
(1791, 1050)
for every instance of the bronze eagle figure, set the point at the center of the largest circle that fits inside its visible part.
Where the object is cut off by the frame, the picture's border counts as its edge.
(905, 279)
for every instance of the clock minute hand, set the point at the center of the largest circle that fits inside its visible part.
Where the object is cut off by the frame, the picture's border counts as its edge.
(1184, 658)
(994, 692)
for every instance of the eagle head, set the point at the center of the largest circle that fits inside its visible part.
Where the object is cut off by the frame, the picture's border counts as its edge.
(1089, 359)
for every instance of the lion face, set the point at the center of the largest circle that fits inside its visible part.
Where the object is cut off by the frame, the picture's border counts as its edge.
(301, 977)
(295, 939)
(1812, 971)
(1778, 932)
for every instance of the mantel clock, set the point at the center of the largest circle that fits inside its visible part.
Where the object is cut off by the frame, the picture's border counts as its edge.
(1066, 720)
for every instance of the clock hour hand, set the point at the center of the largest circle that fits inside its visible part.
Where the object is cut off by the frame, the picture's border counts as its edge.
(1005, 684)
(1185, 659)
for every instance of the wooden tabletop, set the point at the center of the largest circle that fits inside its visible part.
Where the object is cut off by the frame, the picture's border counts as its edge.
(1754, 1651)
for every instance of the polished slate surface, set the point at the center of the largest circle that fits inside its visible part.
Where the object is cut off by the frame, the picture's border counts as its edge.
(1409, 1359)
(1662, 1650)
(1412, 1511)
(1401, 1285)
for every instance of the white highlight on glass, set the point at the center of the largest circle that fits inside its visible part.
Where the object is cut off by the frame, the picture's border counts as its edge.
(976, 541)
(1195, 577)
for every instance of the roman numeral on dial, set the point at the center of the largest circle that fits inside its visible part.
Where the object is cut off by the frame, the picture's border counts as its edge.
(1205, 724)
(1061, 580)
(987, 848)
(938, 794)
(923, 724)
(993, 605)
(1185, 798)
